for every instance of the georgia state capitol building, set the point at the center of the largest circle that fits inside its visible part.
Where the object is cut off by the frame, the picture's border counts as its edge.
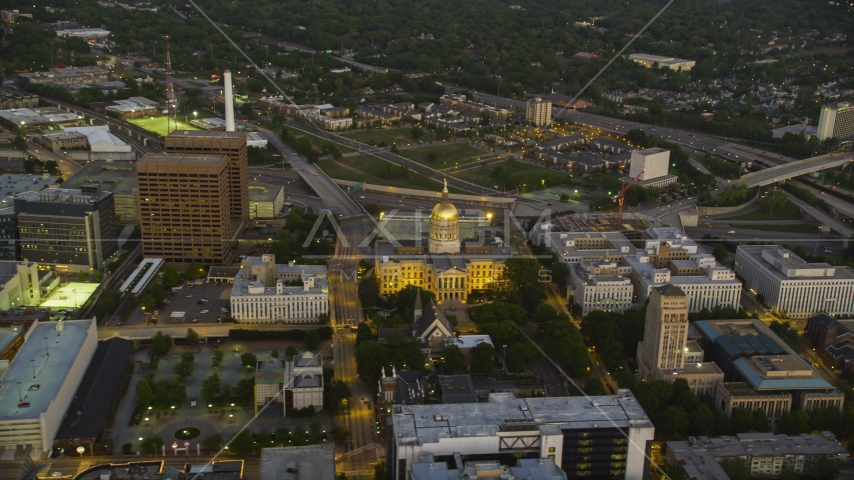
(448, 267)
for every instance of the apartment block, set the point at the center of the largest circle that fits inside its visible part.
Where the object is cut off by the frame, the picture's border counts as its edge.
(539, 112)
(231, 144)
(185, 208)
(836, 121)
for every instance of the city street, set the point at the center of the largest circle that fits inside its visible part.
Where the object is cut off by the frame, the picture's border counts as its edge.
(346, 310)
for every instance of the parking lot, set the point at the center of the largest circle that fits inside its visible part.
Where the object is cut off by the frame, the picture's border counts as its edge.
(187, 301)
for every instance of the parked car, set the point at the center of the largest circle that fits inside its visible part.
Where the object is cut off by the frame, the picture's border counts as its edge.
(205, 311)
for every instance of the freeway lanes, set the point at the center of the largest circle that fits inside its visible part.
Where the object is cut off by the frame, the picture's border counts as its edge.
(824, 218)
(333, 197)
(801, 167)
(841, 206)
(288, 46)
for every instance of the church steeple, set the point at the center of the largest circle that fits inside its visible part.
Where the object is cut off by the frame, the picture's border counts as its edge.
(417, 310)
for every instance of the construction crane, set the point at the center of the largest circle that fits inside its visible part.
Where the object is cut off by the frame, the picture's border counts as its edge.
(621, 195)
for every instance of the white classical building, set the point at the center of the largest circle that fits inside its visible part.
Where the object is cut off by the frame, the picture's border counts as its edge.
(792, 286)
(261, 292)
(601, 285)
(706, 283)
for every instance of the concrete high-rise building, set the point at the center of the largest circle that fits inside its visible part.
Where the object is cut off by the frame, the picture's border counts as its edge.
(539, 112)
(665, 352)
(184, 208)
(599, 437)
(651, 165)
(836, 121)
(666, 332)
(231, 144)
(72, 229)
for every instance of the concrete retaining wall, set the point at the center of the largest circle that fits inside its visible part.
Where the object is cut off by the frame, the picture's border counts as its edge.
(725, 210)
(12, 153)
(86, 156)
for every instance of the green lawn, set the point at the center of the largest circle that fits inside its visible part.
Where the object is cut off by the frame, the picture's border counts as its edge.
(158, 124)
(365, 168)
(315, 140)
(399, 136)
(444, 156)
(485, 175)
(794, 228)
(789, 212)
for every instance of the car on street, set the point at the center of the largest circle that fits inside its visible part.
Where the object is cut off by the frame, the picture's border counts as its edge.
(205, 311)
(195, 320)
(188, 296)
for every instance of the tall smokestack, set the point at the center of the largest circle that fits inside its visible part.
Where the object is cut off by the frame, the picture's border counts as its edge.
(229, 103)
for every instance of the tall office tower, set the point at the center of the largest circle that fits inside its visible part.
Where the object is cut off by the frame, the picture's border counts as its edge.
(72, 229)
(232, 144)
(184, 209)
(666, 333)
(539, 112)
(837, 121)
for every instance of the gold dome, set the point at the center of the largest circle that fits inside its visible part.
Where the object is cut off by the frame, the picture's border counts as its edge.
(444, 211)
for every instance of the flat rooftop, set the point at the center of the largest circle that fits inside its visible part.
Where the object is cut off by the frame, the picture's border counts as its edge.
(314, 462)
(39, 116)
(589, 244)
(264, 192)
(760, 445)
(428, 423)
(785, 265)
(184, 159)
(702, 368)
(51, 370)
(205, 134)
(8, 334)
(649, 151)
(61, 195)
(9, 270)
(117, 177)
(457, 389)
(764, 359)
(91, 403)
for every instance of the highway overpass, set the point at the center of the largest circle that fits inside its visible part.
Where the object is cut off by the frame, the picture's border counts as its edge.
(823, 217)
(794, 169)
